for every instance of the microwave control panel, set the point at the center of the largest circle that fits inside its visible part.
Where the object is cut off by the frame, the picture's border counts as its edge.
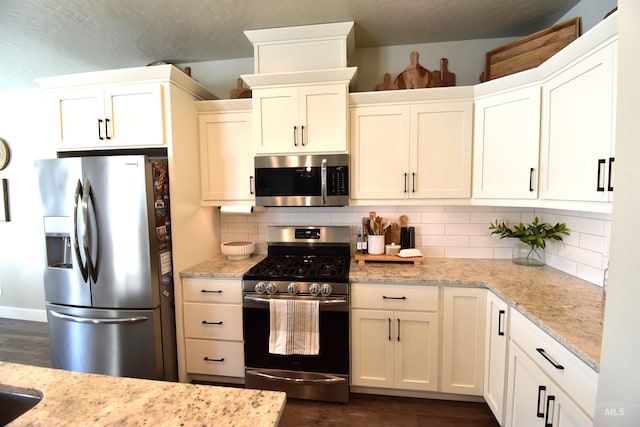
(338, 181)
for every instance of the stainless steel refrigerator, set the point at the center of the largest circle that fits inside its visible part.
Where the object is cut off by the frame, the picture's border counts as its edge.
(108, 279)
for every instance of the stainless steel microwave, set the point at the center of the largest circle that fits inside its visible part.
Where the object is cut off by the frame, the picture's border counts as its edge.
(302, 180)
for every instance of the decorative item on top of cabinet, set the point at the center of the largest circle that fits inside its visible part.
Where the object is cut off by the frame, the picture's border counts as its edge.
(239, 91)
(386, 84)
(415, 76)
(530, 51)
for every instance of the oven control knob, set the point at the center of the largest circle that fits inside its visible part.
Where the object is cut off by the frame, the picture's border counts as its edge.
(314, 289)
(271, 288)
(260, 288)
(325, 290)
(293, 288)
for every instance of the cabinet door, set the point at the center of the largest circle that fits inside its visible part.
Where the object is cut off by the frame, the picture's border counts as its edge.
(566, 413)
(440, 150)
(275, 113)
(415, 337)
(372, 348)
(226, 157)
(79, 116)
(379, 152)
(527, 391)
(463, 333)
(578, 126)
(495, 367)
(506, 141)
(323, 118)
(135, 115)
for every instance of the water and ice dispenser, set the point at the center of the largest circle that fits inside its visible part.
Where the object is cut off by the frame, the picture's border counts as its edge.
(58, 242)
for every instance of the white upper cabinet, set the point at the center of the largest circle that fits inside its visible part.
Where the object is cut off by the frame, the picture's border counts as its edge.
(129, 115)
(300, 119)
(578, 129)
(506, 145)
(226, 152)
(125, 108)
(411, 151)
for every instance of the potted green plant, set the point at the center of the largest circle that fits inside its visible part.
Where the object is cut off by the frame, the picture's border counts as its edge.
(532, 239)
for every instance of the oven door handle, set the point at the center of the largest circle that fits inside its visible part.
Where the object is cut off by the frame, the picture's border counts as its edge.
(328, 379)
(321, 301)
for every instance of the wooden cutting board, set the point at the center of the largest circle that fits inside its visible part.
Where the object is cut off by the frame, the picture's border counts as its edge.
(415, 76)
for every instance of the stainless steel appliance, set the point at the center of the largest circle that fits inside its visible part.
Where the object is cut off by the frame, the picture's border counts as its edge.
(306, 180)
(108, 279)
(302, 263)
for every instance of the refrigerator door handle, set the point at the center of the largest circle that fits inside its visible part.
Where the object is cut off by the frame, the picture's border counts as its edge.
(76, 245)
(92, 263)
(118, 321)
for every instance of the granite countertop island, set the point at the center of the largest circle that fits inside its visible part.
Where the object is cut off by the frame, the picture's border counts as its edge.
(569, 309)
(72, 398)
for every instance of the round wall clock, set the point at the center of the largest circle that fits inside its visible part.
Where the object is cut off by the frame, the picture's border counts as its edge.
(4, 154)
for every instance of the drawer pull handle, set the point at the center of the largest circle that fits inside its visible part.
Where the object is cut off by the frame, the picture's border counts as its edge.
(206, 359)
(548, 417)
(549, 359)
(204, 291)
(389, 328)
(398, 330)
(501, 314)
(204, 322)
(386, 297)
(539, 413)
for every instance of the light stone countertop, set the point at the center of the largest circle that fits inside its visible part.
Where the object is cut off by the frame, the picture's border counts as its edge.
(569, 309)
(72, 398)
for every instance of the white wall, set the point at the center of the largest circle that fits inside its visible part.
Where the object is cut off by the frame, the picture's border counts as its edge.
(23, 127)
(450, 231)
(618, 402)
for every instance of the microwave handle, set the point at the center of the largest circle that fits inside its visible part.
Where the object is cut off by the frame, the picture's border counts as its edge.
(323, 177)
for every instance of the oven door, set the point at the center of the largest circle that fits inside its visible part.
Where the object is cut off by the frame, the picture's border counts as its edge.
(324, 376)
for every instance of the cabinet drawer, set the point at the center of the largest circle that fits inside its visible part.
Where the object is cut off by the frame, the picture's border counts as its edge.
(576, 378)
(213, 321)
(394, 297)
(224, 358)
(212, 290)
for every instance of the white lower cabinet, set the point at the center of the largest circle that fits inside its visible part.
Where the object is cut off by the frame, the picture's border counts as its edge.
(546, 385)
(495, 367)
(463, 331)
(392, 344)
(213, 326)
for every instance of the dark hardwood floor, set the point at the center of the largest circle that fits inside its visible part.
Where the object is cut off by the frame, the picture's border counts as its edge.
(24, 342)
(28, 343)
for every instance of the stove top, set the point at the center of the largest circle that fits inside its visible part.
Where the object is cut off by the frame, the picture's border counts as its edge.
(309, 268)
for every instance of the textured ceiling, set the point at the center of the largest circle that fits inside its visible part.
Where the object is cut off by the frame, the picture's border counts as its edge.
(40, 38)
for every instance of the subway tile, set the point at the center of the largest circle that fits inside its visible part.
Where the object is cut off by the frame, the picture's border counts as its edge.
(466, 230)
(590, 274)
(592, 243)
(445, 241)
(445, 217)
(461, 252)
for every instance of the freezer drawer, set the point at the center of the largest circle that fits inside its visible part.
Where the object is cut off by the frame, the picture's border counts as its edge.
(126, 343)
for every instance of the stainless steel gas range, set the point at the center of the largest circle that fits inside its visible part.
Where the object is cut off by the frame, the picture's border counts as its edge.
(303, 283)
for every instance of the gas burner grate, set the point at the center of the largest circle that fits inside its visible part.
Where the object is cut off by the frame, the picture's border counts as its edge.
(305, 267)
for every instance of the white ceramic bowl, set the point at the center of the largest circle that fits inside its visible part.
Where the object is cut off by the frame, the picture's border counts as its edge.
(237, 250)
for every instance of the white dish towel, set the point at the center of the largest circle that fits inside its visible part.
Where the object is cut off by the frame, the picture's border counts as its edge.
(294, 327)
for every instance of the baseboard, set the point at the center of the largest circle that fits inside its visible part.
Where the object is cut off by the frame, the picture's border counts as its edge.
(23, 314)
(416, 393)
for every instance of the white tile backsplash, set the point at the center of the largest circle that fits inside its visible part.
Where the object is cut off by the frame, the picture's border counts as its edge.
(451, 231)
